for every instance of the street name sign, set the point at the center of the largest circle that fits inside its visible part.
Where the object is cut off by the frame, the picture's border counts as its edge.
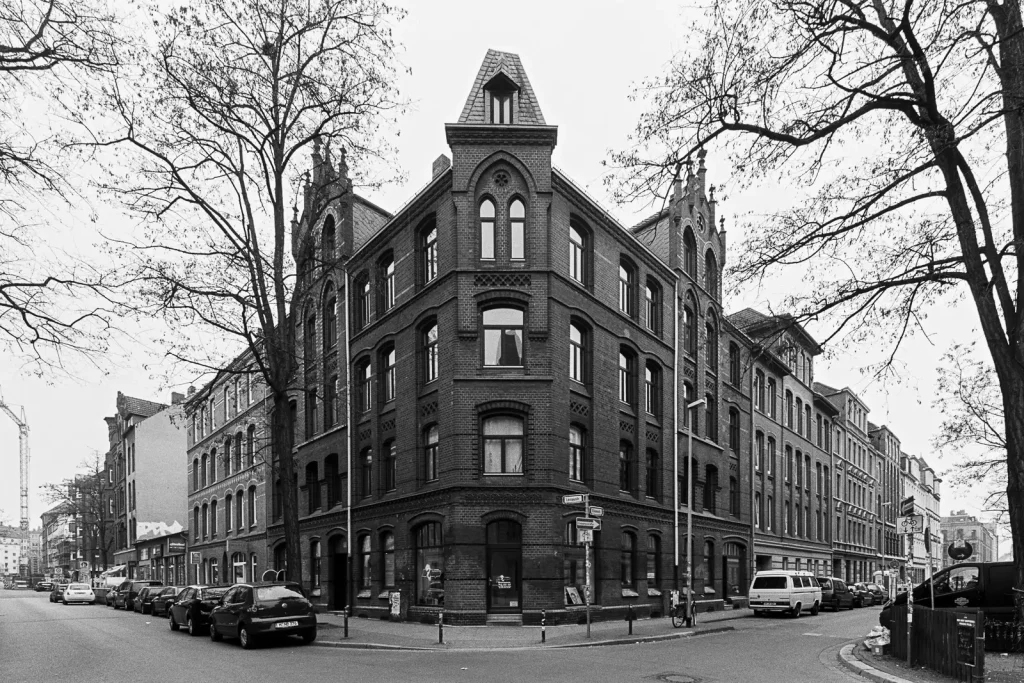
(596, 511)
(588, 523)
(572, 500)
(911, 524)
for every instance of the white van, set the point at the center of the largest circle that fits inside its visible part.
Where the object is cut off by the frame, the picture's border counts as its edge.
(792, 592)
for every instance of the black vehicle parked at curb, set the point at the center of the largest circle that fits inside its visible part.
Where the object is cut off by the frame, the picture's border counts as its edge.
(862, 596)
(143, 602)
(129, 590)
(192, 608)
(163, 600)
(835, 594)
(44, 586)
(249, 611)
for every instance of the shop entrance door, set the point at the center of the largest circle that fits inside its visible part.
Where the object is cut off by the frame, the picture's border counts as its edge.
(337, 552)
(504, 567)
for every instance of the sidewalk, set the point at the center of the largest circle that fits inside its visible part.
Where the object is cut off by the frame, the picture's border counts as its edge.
(999, 668)
(373, 633)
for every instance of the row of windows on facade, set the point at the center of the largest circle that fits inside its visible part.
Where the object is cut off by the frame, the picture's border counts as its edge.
(798, 415)
(237, 395)
(764, 461)
(205, 516)
(232, 458)
(797, 520)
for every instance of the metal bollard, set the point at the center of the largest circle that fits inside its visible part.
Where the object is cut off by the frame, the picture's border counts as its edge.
(543, 619)
(346, 620)
(440, 627)
(629, 616)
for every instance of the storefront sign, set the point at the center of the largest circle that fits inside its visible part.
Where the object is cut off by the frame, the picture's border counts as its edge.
(175, 547)
(503, 583)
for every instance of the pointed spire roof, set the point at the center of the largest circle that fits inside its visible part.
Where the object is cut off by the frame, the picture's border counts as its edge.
(497, 64)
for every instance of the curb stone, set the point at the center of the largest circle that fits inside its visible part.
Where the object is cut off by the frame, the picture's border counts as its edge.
(600, 643)
(851, 662)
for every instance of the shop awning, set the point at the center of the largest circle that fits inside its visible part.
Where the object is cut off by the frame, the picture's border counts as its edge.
(114, 570)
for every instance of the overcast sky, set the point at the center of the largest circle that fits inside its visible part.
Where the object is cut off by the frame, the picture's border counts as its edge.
(583, 64)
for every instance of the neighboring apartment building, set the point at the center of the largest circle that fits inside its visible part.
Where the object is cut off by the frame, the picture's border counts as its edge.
(60, 549)
(227, 472)
(960, 526)
(148, 460)
(888, 456)
(10, 551)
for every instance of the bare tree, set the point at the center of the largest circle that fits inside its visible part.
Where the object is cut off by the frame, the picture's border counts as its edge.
(217, 122)
(51, 302)
(897, 128)
(86, 497)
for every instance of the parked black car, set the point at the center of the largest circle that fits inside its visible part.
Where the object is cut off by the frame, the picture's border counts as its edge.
(252, 610)
(835, 594)
(967, 587)
(57, 592)
(878, 593)
(162, 602)
(862, 597)
(192, 608)
(44, 586)
(143, 602)
(129, 590)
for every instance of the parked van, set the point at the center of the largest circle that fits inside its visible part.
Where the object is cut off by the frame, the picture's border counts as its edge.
(835, 593)
(967, 586)
(792, 592)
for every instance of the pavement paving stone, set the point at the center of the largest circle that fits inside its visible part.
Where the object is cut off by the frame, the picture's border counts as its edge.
(382, 634)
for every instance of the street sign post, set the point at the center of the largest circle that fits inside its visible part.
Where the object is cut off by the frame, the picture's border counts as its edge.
(596, 511)
(572, 500)
(588, 523)
(585, 527)
(586, 536)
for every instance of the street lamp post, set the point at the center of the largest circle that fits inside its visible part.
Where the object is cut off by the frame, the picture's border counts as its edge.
(689, 510)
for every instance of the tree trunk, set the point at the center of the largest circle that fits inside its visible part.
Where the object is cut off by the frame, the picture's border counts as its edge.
(282, 441)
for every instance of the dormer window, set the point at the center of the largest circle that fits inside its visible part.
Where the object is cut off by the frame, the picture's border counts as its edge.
(501, 92)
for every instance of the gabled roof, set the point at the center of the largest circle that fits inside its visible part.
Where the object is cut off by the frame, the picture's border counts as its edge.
(758, 325)
(825, 389)
(129, 405)
(508, 65)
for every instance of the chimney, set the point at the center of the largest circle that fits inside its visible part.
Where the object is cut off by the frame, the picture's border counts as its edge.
(177, 398)
(441, 164)
(191, 390)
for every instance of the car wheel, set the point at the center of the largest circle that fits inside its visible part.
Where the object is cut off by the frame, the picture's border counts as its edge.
(64, 601)
(214, 636)
(814, 610)
(190, 626)
(797, 608)
(309, 636)
(758, 613)
(245, 639)
(172, 622)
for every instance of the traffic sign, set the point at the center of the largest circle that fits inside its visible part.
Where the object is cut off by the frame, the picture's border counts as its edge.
(911, 524)
(585, 536)
(572, 500)
(907, 506)
(596, 511)
(588, 523)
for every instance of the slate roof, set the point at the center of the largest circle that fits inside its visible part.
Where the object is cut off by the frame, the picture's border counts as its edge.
(129, 405)
(367, 219)
(506, 63)
(746, 318)
(825, 389)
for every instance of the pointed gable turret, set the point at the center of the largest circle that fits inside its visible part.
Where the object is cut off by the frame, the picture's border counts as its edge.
(502, 93)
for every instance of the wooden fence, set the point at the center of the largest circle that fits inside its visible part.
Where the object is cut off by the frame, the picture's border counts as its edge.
(943, 640)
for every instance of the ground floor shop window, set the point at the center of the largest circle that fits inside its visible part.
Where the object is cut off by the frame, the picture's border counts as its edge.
(430, 565)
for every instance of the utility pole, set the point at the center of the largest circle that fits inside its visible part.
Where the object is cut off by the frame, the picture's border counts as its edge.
(22, 424)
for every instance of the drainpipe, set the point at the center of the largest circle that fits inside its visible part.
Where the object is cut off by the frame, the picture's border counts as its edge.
(753, 481)
(675, 431)
(348, 450)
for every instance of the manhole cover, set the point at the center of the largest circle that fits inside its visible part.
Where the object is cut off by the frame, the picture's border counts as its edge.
(677, 678)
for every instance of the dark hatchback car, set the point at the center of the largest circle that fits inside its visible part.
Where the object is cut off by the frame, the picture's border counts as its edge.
(57, 592)
(44, 586)
(143, 602)
(163, 599)
(862, 596)
(129, 590)
(878, 593)
(253, 610)
(192, 608)
(835, 594)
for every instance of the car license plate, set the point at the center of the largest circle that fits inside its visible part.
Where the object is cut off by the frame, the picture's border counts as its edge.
(286, 624)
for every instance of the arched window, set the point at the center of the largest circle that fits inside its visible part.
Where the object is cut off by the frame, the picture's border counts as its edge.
(758, 513)
(195, 474)
(361, 309)
(711, 343)
(734, 430)
(711, 417)
(579, 253)
(388, 385)
(213, 518)
(651, 479)
(789, 409)
(734, 364)
(387, 564)
(807, 422)
(690, 324)
(689, 416)
(503, 437)
(363, 375)
(363, 564)
(789, 463)
(312, 487)
(250, 445)
(517, 230)
(252, 506)
(213, 465)
(430, 439)
(652, 305)
(788, 529)
(238, 451)
(330, 317)
(228, 510)
(390, 465)
(314, 564)
(578, 339)
(627, 287)
(366, 472)
(430, 359)
(195, 523)
(734, 497)
(652, 388)
(689, 253)
(625, 466)
(627, 561)
(653, 561)
(799, 416)
(577, 452)
(328, 242)
(710, 579)
(239, 513)
(711, 273)
(429, 564)
(711, 489)
(428, 246)
(386, 278)
(759, 451)
(227, 457)
(487, 229)
(627, 377)
(330, 401)
(310, 335)
(503, 337)
(772, 398)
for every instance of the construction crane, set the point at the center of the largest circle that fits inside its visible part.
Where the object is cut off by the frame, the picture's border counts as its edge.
(26, 546)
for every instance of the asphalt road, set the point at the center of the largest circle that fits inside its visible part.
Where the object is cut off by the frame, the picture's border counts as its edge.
(40, 641)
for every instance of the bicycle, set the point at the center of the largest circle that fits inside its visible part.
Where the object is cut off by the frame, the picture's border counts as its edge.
(678, 613)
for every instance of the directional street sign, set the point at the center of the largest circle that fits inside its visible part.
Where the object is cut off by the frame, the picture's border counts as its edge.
(571, 500)
(588, 523)
(596, 511)
(911, 524)
(585, 536)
